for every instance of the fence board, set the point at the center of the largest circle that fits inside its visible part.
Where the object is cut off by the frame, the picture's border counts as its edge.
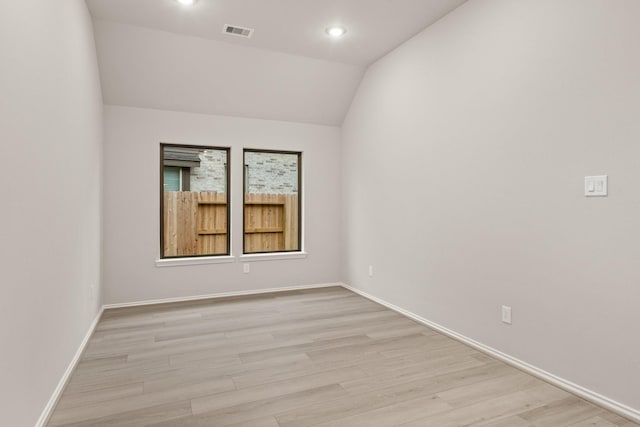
(291, 219)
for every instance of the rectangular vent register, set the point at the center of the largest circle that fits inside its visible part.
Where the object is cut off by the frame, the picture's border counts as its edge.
(234, 30)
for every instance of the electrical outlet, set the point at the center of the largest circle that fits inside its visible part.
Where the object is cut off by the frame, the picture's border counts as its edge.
(371, 271)
(246, 268)
(506, 314)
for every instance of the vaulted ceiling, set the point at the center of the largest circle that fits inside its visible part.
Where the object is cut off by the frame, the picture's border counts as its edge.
(162, 54)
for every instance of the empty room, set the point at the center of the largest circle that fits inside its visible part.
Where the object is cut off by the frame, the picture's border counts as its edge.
(291, 213)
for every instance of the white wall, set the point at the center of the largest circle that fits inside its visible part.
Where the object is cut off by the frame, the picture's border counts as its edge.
(132, 218)
(50, 146)
(464, 156)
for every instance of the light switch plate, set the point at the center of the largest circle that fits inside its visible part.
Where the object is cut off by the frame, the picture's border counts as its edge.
(596, 186)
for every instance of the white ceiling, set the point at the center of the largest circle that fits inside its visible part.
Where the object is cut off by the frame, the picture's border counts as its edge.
(374, 27)
(161, 54)
(155, 69)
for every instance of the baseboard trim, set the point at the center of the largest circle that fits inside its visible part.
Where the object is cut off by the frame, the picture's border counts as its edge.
(57, 393)
(221, 295)
(582, 392)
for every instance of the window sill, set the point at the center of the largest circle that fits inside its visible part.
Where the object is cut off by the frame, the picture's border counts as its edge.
(272, 256)
(175, 262)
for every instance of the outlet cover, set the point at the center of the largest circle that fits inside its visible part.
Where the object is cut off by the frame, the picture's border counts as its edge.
(506, 314)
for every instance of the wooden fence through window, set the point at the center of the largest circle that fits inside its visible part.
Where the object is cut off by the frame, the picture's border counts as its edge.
(195, 223)
(270, 222)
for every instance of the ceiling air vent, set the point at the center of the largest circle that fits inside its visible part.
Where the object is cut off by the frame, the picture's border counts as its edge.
(234, 30)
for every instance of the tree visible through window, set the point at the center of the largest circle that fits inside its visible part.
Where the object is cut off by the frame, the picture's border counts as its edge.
(194, 201)
(272, 187)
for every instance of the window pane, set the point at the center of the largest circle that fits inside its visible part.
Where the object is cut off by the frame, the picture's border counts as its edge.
(171, 178)
(194, 213)
(271, 201)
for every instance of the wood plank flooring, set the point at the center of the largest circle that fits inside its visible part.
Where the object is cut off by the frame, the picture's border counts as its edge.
(322, 357)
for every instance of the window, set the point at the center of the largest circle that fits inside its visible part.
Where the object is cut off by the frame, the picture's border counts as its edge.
(176, 179)
(194, 209)
(272, 205)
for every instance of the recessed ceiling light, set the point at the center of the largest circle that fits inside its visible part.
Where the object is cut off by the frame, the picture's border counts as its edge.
(336, 31)
(186, 2)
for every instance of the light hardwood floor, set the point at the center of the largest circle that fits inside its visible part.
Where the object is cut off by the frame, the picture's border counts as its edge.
(322, 357)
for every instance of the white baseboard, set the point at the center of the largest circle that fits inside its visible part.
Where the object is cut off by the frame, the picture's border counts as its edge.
(51, 404)
(586, 394)
(220, 295)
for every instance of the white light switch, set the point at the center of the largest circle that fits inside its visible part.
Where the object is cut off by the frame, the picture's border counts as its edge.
(595, 186)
